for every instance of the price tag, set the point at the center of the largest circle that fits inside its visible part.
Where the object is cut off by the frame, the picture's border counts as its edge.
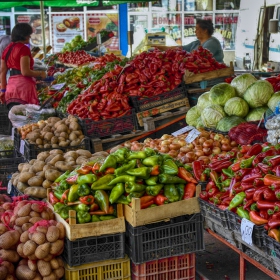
(247, 231)
(192, 135)
(182, 130)
(9, 188)
(57, 86)
(21, 149)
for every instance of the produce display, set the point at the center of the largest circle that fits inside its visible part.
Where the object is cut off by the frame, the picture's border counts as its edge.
(30, 241)
(93, 188)
(76, 58)
(226, 105)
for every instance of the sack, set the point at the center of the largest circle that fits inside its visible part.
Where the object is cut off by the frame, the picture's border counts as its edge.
(21, 115)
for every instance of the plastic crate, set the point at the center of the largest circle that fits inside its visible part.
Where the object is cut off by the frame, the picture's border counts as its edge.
(208, 83)
(181, 235)
(31, 150)
(8, 154)
(272, 247)
(234, 222)
(211, 211)
(61, 114)
(4, 120)
(175, 268)
(143, 104)
(93, 249)
(105, 270)
(110, 126)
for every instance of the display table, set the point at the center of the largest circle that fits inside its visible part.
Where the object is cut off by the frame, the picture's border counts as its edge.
(242, 258)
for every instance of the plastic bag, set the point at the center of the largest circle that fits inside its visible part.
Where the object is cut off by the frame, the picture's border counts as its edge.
(21, 115)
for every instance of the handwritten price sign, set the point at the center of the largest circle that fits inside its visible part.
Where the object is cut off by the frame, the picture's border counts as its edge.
(247, 231)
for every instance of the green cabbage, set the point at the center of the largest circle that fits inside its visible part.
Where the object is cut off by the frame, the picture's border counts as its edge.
(258, 93)
(221, 93)
(203, 101)
(211, 115)
(228, 122)
(256, 114)
(192, 115)
(274, 101)
(199, 123)
(236, 106)
(242, 82)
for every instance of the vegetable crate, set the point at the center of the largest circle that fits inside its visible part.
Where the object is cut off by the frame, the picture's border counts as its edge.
(210, 211)
(31, 150)
(143, 104)
(92, 249)
(108, 127)
(175, 268)
(235, 224)
(103, 270)
(4, 120)
(181, 235)
(16, 192)
(272, 247)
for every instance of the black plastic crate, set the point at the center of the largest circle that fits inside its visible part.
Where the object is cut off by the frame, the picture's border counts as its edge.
(93, 249)
(272, 247)
(61, 114)
(4, 120)
(234, 222)
(143, 104)
(209, 210)
(108, 127)
(7, 154)
(17, 139)
(207, 83)
(31, 150)
(181, 235)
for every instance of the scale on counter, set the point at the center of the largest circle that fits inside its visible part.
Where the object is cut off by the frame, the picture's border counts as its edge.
(156, 39)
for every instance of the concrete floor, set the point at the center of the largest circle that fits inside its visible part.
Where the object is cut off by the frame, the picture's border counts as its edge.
(219, 262)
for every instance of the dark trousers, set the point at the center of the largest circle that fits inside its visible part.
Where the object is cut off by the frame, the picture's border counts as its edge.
(10, 106)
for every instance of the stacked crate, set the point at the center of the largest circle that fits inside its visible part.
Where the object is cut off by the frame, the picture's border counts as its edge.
(161, 241)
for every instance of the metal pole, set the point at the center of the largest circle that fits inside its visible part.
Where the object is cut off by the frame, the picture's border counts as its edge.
(43, 26)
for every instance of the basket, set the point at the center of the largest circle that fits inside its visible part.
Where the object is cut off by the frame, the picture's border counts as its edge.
(175, 268)
(212, 212)
(272, 247)
(31, 150)
(108, 127)
(235, 224)
(4, 120)
(143, 104)
(104, 270)
(181, 235)
(93, 249)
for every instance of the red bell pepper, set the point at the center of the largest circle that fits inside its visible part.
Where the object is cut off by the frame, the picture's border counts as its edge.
(242, 172)
(84, 169)
(213, 191)
(235, 166)
(264, 214)
(245, 148)
(198, 169)
(250, 192)
(88, 199)
(210, 185)
(256, 219)
(258, 195)
(155, 170)
(214, 177)
(271, 179)
(53, 199)
(189, 191)
(277, 194)
(269, 195)
(204, 195)
(249, 178)
(187, 176)
(226, 201)
(93, 207)
(64, 196)
(263, 204)
(100, 212)
(254, 150)
(160, 199)
(237, 188)
(258, 182)
(274, 222)
(247, 186)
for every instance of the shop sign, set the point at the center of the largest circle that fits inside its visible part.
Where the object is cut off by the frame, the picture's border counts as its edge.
(23, 19)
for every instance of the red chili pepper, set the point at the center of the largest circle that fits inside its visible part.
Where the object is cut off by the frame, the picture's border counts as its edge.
(237, 188)
(274, 222)
(274, 161)
(276, 170)
(184, 174)
(235, 166)
(256, 219)
(254, 150)
(198, 168)
(264, 214)
(189, 191)
(84, 169)
(88, 199)
(258, 182)
(204, 195)
(72, 179)
(242, 172)
(245, 148)
(263, 204)
(146, 201)
(93, 207)
(222, 207)
(213, 191)
(226, 201)
(109, 170)
(250, 192)
(210, 185)
(100, 212)
(96, 167)
(232, 183)
(258, 195)
(53, 199)
(246, 186)
(266, 169)
(277, 194)
(249, 178)
(160, 199)
(64, 196)
(220, 164)
(214, 177)
(259, 158)
(248, 204)
(155, 170)
(269, 195)
(271, 179)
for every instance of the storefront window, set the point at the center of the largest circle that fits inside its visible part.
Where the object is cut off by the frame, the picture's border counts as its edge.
(200, 5)
(5, 25)
(138, 7)
(227, 5)
(167, 5)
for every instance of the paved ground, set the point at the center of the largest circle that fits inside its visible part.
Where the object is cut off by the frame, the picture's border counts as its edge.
(219, 262)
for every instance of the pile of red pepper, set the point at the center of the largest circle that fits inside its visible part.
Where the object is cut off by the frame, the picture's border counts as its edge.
(248, 183)
(275, 82)
(77, 58)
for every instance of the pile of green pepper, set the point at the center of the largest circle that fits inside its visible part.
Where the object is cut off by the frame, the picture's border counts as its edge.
(95, 187)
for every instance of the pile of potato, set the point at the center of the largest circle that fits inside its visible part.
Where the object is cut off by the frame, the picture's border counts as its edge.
(53, 132)
(33, 178)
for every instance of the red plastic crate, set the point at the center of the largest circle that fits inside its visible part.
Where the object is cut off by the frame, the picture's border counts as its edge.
(175, 268)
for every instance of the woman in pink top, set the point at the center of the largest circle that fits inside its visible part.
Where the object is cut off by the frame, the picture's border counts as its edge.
(21, 86)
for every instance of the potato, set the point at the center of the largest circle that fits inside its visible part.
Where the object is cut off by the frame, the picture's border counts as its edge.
(38, 165)
(72, 136)
(20, 250)
(55, 247)
(81, 159)
(101, 153)
(71, 154)
(62, 231)
(52, 234)
(52, 174)
(47, 184)
(21, 186)
(29, 247)
(47, 166)
(3, 228)
(23, 272)
(62, 128)
(3, 272)
(9, 266)
(22, 220)
(33, 136)
(42, 156)
(25, 210)
(9, 239)
(54, 140)
(49, 158)
(56, 151)
(70, 159)
(74, 125)
(63, 144)
(74, 143)
(39, 141)
(63, 166)
(63, 135)
(38, 192)
(26, 167)
(47, 146)
(26, 226)
(32, 265)
(9, 255)
(58, 157)
(34, 220)
(42, 250)
(39, 238)
(84, 153)
(25, 176)
(53, 120)
(35, 181)
(31, 162)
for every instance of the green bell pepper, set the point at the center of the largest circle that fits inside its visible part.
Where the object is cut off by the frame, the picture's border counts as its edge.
(154, 190)
(102, 199)
(228, 172)
(237, 200)
(73, 193)
(62, 186)
(134, 187)
(181, 190)
(150, 152)
(121, 170)
(110, 161)
(134, 194)
(95, 218)
(241, 212)
(170, 179)
(86, 179)
(105, 187)
(121, 154)
(247, 163)
(64, 212)
(140, 172)
(58, 206)
(83, 190)
(153, 180)
(171, 192)
(152, 160)
(58, 194)
(116, 192)
(122, 179)
(62, 177)
(83, 217)
(81, 207)
(107, 217)
(226, 183)
(122, 200)
(137, 155)
(103, 181)
(170, 167)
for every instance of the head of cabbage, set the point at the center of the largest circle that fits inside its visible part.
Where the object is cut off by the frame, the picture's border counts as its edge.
(203, 101)
(242, 82)
(199, 123)
(221, 93)
(274, 101)
(256, 114)
(258, 93)
(211, 115)
(236, 106)
(192, 115)
(228, 122)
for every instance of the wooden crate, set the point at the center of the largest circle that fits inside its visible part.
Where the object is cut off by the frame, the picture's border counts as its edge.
(190, 77)
(139, 217)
